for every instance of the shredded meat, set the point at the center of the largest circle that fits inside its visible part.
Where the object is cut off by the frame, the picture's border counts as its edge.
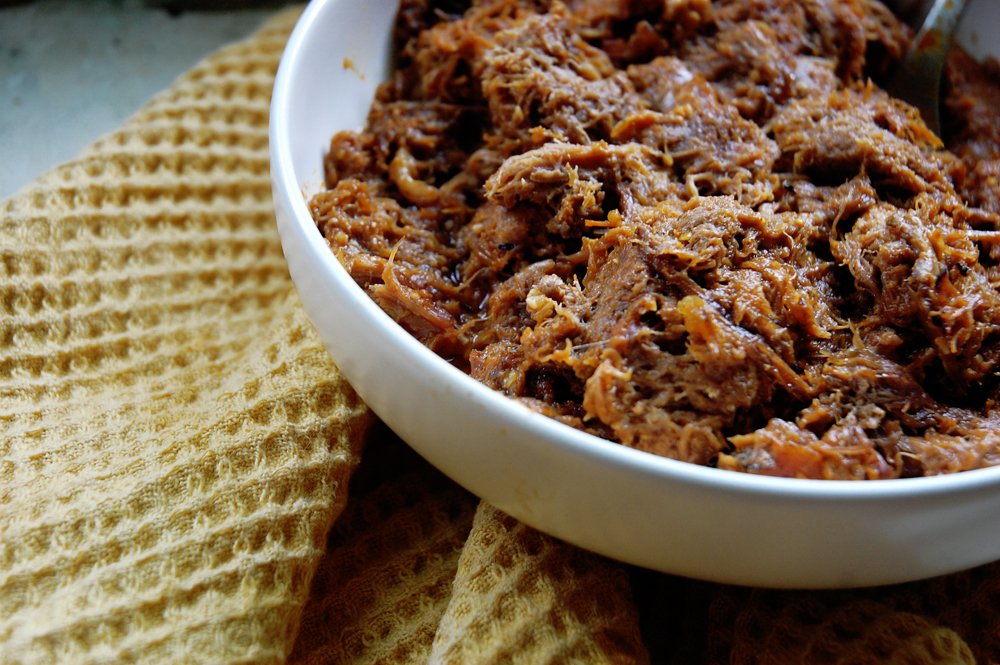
(700, 229)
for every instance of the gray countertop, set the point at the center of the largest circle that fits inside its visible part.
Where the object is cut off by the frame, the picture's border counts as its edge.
(72, 71)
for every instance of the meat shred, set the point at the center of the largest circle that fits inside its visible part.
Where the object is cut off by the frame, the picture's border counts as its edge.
(700, 229)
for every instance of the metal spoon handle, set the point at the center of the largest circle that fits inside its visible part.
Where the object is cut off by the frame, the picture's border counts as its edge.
(918, 80)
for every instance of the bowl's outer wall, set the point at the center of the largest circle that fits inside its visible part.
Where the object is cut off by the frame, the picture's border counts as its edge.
(657, 513)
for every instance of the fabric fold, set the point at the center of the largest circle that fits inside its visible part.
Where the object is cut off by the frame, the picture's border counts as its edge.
(521, 596)
(387, 577)
(174, 440)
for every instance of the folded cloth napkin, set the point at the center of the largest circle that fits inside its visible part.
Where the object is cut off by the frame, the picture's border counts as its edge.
(176, 449)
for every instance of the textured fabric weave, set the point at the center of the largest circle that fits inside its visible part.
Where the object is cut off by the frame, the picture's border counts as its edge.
(179, 459)
(381, 590)
(174, 441)
(520, 596)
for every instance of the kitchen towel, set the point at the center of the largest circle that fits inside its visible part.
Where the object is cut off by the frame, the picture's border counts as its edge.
(185, 477)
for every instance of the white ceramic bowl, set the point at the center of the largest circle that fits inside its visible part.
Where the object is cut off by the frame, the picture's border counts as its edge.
(674, 517)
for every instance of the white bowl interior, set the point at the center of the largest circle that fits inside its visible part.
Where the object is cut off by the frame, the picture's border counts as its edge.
(643, 509)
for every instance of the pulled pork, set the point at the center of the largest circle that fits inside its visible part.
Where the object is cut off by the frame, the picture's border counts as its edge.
(699, 229)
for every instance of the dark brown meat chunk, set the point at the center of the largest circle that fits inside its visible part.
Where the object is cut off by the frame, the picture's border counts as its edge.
(983, 186)
(862, 37)
(574, 182)
(974, 101)
(544, 82)
(925, 275)
(446, 60)
(714, 149)
(863, 130)
(783, 449)
(695, 228)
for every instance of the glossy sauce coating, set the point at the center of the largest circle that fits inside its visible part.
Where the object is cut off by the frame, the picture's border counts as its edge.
(699, 229)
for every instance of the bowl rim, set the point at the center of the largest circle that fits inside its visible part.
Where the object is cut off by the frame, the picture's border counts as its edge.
(552, 432)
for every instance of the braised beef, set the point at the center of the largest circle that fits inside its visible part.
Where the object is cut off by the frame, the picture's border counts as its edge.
(695, 228)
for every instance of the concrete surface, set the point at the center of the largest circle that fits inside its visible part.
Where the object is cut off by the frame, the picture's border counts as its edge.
(71, 71)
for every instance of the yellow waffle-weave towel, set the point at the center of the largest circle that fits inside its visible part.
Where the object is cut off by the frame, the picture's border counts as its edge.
(176, 446)
(174, 441)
